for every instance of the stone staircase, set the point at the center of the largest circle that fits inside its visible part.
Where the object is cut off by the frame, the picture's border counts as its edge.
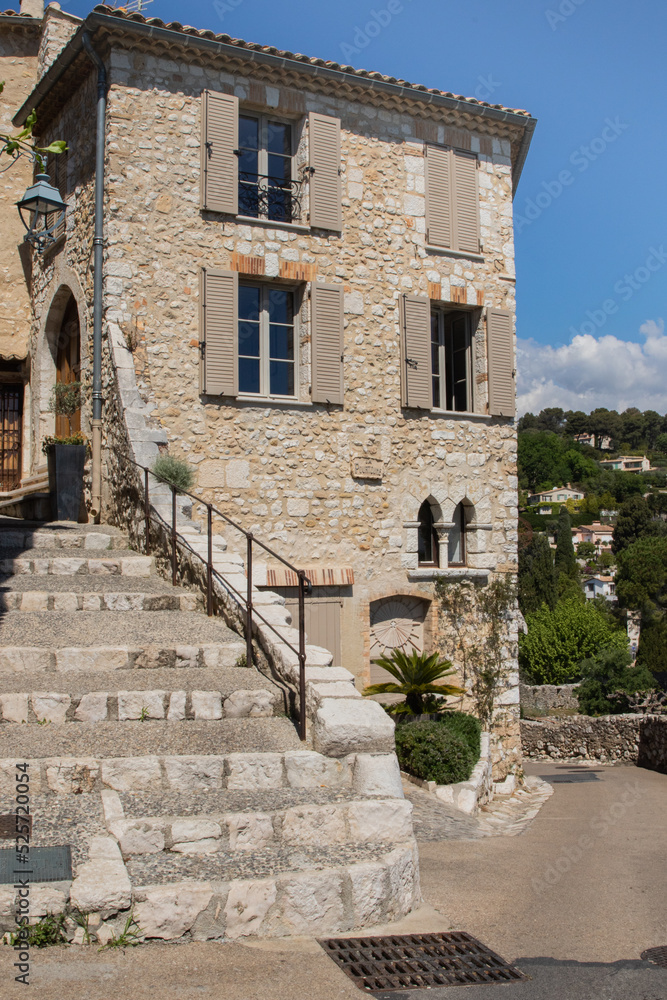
(174, 772)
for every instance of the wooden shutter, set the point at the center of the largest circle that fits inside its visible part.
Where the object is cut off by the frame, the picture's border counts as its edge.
(416, 380)
(219, 334)
(438, 197)
(219, 162)
(466, 201)
(327, 344)
(56, 168)
(325, 188)
(500, 349)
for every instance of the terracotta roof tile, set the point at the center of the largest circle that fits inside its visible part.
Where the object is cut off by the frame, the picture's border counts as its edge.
(298, 57)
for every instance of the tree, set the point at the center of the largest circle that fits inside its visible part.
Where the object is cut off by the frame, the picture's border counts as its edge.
(605, 675)
(566, 562)
(576, 422)
(634, 518)
(538, 580)
(540, 460)
(551, 419)
(558, 640)
(661, 443)
(641, 579)
(653, 425)
(634, 426)
(417, 675)
(586, 550)
(652, 650)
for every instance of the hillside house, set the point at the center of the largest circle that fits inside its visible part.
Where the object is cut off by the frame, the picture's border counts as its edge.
(558, 495)
(627, 463)
(600, 586)
(599, 534)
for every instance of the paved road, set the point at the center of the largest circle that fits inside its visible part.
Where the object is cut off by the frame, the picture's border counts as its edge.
(573, 913)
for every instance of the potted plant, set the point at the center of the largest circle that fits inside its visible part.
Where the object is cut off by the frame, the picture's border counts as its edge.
(66, 456)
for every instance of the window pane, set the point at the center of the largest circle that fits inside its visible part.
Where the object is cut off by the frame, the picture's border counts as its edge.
(249, 298)
(279, 138)
(436, 391)
(281, 306)
(280, 170)
(281, 345)
(249, 339)
(248, 132)
(427, 545)
(456, 352)
(282, 378)
(248, 375)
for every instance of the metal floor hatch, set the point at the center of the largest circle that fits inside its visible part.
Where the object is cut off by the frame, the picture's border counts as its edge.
(419, 961)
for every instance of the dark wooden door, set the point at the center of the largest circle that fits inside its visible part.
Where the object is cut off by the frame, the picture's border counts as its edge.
(68, 363)
(11, 436)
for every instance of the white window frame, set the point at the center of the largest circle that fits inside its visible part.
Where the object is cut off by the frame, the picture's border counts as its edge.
(264, 341)
(264, 121)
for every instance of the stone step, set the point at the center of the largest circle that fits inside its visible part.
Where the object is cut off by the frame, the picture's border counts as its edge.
(132, 631)
(212, 831)
(176, 705)
(65, 659)
(81, 682)
(107, 744)
(47, 563)
(124, 600)
(232, 895)
(17, 536)
(236, 757)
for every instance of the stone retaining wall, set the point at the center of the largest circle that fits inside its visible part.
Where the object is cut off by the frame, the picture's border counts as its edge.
(543, 698)
(610, 739)
(467, 796)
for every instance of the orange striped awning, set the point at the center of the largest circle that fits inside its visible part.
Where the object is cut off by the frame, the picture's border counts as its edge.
(319, 576)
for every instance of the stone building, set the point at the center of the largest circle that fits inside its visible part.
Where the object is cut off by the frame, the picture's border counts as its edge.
(309, 295)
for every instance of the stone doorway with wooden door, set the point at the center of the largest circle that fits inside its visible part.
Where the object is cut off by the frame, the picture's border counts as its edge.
(11, 434)
(68, 363)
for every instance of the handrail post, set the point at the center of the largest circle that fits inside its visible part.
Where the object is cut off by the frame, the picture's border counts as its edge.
(174, 562)
(147, 518)
(302, 655)
(248, 633)
(209, 563)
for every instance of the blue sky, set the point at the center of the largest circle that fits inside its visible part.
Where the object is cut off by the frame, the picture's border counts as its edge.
(594, 74)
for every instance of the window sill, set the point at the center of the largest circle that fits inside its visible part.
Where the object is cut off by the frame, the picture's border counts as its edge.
(448, 573)
(443, 252)
(271, 223)
(461, 414)
(272, 400)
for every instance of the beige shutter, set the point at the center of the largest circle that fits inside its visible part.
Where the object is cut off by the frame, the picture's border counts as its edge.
(327, 344)
(325, 188)
(438, 197)
(219, 162)
(416, 379)
(500, 348)
(218, 340)
(466, 201)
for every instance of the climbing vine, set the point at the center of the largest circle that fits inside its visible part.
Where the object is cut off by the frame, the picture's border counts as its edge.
(479, 618)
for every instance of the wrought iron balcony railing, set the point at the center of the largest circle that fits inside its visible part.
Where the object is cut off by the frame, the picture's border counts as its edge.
(264, 197)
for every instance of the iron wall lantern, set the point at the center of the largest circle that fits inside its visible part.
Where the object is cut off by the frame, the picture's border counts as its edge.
(45, 211)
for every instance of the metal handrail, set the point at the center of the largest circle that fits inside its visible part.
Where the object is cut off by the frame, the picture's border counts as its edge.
(245, 602)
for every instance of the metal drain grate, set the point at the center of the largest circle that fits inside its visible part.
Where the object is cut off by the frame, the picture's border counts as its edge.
(45, 864)
(658, 956)
(419, 961)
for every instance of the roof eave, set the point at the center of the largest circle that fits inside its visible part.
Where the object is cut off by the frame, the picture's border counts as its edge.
(96, 20)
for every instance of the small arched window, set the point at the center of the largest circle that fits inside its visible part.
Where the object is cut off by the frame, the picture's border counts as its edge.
(428, 537)
(456, 546)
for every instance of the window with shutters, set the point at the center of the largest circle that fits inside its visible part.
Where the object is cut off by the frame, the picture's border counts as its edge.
(451, 360)
(267, 189)
(267, 341)
(452, 200)
(56, 168)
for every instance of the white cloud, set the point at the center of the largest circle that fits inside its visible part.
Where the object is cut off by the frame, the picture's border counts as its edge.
(590, 372)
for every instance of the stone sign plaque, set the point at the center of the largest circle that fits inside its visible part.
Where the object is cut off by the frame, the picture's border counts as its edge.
(367, 468)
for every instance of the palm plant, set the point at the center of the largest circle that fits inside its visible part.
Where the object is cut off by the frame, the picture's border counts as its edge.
(417, 675)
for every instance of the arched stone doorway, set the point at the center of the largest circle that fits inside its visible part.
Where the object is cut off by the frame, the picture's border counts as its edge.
(68, 362)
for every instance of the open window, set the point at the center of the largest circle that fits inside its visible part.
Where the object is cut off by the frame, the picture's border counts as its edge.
(451, 365)
(429, 546)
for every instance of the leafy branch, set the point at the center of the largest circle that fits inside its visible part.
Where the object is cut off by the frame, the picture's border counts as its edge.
(22, 142)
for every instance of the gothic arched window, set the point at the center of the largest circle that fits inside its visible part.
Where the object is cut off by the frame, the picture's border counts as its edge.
(428, 537)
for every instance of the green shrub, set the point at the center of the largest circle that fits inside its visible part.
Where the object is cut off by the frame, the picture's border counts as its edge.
(467, 728)
(557, 641)
(431, 751)
(605, 674)
(174, 471)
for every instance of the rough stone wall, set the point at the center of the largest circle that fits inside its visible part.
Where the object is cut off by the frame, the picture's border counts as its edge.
(18, 68)
(546, 697)
(285, 469)
(57, 29)
(620, 739)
